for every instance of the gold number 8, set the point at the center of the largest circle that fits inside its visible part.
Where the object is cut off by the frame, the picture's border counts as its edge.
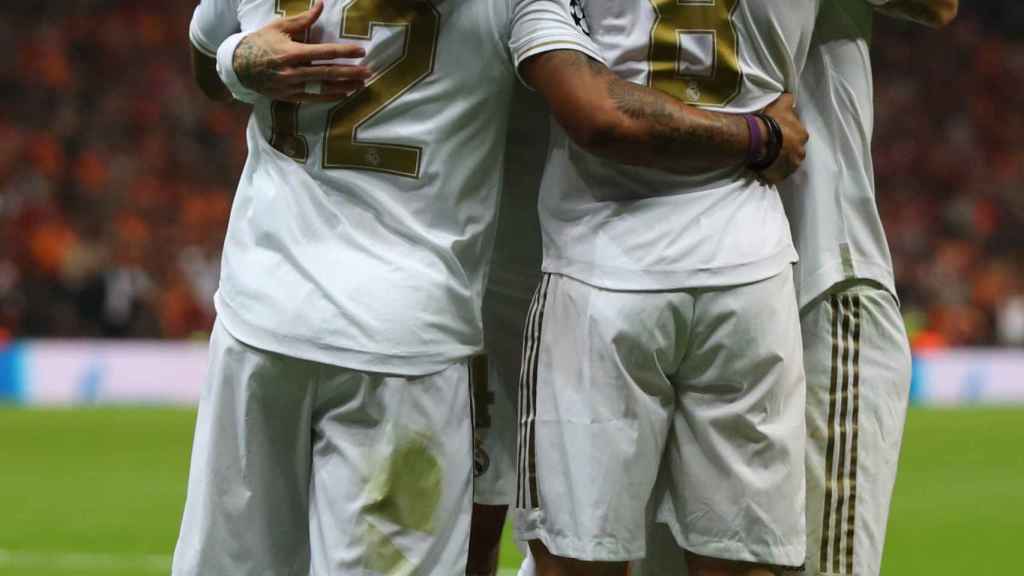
(694, 53)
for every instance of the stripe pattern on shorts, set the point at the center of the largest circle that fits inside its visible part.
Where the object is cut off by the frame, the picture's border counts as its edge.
(526, 470)
(840, 509)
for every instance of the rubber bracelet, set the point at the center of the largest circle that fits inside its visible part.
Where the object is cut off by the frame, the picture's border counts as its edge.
(773, 146)
(756, 139)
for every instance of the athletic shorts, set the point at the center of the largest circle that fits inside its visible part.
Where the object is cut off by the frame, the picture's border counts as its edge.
(857, 361)
(689, 402)
(300, 468)
(506, 303)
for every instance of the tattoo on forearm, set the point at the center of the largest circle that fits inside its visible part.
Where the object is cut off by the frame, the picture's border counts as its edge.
(254, 65)
(670, 132)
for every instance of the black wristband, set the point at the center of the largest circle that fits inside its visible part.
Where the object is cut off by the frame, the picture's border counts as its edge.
(773, 144)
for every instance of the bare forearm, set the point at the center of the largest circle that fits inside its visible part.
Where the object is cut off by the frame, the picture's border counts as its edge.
(933, 13)
(204, 71)
(655, 130)
(631, 124)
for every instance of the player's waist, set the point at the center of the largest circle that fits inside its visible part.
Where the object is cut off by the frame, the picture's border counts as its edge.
(685, 276)
(410, 348)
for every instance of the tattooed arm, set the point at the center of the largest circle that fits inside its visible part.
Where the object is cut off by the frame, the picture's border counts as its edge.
(632, 124)
(273, 64)
(934, 13)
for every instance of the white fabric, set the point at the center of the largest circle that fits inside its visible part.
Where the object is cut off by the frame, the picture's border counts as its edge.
(226, 70)
(831, 201)
(515, 272)
(692, 400)
(368, 269)
(857, 361)
(301, 468)
(721, 228)
(212, 22)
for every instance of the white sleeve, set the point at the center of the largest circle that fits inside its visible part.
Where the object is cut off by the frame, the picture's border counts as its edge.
(212, 22)
(540, 26)
(226, 69)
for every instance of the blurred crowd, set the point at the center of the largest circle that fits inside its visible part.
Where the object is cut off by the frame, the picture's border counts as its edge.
(116, 175)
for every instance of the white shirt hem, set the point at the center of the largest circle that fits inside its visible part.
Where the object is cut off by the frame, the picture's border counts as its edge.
(610, 278)
(810, 286)
(380, 363)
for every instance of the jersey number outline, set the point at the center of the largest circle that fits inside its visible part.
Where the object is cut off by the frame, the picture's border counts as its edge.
(708, 20)
(342, 148)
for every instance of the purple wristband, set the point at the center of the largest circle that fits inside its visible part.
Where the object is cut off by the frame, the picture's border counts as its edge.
(754, 152)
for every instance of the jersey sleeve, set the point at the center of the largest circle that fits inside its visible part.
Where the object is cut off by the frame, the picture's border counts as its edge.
(212, 22)
(540, 26)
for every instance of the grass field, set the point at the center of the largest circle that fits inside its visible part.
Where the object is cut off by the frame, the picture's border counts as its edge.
(88, 492)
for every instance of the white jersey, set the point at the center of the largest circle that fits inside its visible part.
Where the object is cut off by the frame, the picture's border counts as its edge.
(361, 230)
(719, 229)
(831, 200)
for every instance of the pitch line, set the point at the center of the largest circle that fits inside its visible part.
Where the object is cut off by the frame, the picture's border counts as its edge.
(85, 560)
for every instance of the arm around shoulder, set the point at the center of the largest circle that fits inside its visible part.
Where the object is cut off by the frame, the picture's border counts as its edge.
(632, 124)
(616, 119)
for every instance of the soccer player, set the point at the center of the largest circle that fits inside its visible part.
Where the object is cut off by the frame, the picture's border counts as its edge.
(662, 360)
(333, 435)
(513, 278)
(856, 354)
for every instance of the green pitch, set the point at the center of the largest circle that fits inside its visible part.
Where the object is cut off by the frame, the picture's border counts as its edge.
(88, 492)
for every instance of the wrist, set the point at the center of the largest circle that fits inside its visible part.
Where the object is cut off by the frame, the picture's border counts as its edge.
(227, 73)
(757, 133)
(773, 141)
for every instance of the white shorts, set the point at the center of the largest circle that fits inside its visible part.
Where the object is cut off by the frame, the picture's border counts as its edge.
(300, 468)
(857, 361)
(692, 400)
(506, 303)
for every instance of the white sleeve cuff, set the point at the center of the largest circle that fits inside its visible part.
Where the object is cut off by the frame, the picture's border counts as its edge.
(226, 70)
(199, 42)
(878, 2)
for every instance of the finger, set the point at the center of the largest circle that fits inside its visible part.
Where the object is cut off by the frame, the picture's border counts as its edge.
(329, 92)
(302, 22)
(343, 88)
(305, 53)
(303, 74)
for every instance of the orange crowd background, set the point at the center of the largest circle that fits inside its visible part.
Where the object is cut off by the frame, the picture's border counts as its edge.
(116, 174)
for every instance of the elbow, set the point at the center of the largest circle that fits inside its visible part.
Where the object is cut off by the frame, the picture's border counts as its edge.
(215, 91)
(947, 13)
(940, 13)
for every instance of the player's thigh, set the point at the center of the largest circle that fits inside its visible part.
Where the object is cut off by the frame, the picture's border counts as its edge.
(247, 505)
(391, 488)
(858, 381)
(734, 483)
(594, 406)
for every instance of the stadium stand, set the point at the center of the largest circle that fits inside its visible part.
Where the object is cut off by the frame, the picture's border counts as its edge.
(116, 175)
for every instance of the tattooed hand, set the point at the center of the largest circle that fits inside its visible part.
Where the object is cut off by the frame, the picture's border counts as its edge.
(270, 61)
(794, 140)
